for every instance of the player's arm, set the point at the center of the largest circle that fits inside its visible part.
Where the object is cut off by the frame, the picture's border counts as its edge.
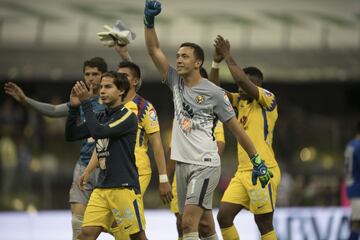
(73, 131)
(152, 9)
(84, 178)
(120, 126)
(215, 72)
(241, 136)
(49, 110)
(221, 146)
(239, 76)
(123, 52)
(164, 185)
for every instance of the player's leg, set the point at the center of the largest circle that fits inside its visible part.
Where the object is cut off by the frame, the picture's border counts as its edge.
(175, 209)
(263, 205)
(127, 211)
(116, 231)
(226, 215)
(207, 226)
(98, 216)
(196, 197)
(79, 198)
(90, 233)
(235, 198)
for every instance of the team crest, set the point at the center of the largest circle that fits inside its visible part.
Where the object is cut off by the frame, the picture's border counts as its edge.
(200, 99)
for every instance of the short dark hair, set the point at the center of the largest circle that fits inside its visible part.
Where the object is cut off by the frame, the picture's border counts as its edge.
(358, 127)
(254, 72)
(203, 73)
(97, 62)
(198, 51)
(135, 70)
(120, 81)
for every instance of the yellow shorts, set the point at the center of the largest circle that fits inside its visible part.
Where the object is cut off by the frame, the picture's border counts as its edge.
(119, 204)
(144, 181)
(174, 208)
(256, 199)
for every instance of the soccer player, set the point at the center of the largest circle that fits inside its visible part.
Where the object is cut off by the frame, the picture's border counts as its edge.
(198, 104)
(148, 132)
(78, 198)
(257, 114)
(220, 142)
(352, 171)
(117, 192)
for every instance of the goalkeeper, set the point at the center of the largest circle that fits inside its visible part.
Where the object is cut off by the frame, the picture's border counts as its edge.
(257, 113)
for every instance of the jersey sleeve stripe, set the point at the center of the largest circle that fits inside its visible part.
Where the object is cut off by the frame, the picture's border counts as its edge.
(120, 120)
(266, 127)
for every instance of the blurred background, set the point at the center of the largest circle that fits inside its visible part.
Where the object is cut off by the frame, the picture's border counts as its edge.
(309, 52)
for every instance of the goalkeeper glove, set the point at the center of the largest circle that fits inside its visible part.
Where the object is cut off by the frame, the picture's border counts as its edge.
(260, 171)
(152, 9)
(118, 34)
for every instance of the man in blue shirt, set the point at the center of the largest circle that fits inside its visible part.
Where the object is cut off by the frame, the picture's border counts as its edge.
(117, 191)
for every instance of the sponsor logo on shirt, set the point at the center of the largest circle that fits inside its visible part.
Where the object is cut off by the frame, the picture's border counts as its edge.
(186, 124)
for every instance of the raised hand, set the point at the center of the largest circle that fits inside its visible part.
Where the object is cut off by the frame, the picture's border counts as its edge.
(152, 9)
(15, 91)
(222, 46)
(81, 91)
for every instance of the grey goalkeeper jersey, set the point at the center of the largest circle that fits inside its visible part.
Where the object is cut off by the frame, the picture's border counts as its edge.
(196, 111)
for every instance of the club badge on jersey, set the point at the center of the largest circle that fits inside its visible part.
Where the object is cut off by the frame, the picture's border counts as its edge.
(200, 99)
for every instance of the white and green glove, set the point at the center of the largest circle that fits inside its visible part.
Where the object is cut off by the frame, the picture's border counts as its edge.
(119, 34)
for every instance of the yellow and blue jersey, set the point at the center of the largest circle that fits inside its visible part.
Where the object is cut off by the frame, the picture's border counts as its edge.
(258, 118)
(148, 123)
(87, 145)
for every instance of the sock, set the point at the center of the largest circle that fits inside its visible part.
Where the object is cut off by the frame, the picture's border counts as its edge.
(354, 235)
(230, 233)
(191, 236)
(213, 237)
(269, 236)
(118, 234)
(76, 222)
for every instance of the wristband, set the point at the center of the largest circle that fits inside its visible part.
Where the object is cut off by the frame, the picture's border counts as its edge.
(215, 65)
(163, 178)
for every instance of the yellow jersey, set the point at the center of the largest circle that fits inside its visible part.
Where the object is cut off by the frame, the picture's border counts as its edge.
(148, 123)
(219, 132)
(258, 118)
